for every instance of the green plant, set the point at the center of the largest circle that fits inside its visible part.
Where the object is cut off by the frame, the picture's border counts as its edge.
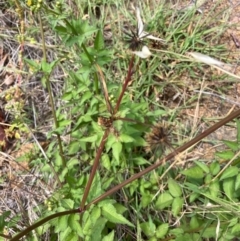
(105, 121)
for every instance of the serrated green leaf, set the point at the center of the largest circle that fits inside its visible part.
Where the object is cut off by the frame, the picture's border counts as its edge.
(97, 229)
(148, 228)
(146, 200)
(99, 41)
(140, 161)
(226, 155)
(72, 237)
(139, 141)
(208, 178)
(120, 208)
(164, 200)
(110, 141)
(215, 168)
(193, 197)
(176, 232)
(95, 214)
(174, 188)
(87, 224)
(184, 237)
(108, 182)
(162, 230)
(105, 202)
(233, 221)
(63, 222)
(57, 197)
(194, 222)
(96, 188)
(85, 118)
(86, 96)
(33, 64)
(177, 205)
(209, 232)
(72, 162)
(63, 123)
(125, 138)
(65, 233)
(63, 174)
(194, 172)
(109, 212)
(74, 224)
(109, 237)
(67, 96)
(236, 229)
(48, 67)
(229, 172)
(228, 187)
(117, 149)
(73, 147)
(67, 203)
(61, 29)
(214, 188)
(233, 145)
(89, 138)
(106, 161)
(157, 113)
(203, 166)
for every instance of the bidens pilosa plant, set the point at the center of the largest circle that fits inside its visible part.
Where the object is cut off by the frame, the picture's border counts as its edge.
(109, 152)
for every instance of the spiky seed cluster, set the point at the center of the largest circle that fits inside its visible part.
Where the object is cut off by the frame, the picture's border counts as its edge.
(157, 138)
(135, 42)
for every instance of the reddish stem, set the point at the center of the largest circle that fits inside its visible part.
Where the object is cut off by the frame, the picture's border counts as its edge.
(128, 78)
(94, 168)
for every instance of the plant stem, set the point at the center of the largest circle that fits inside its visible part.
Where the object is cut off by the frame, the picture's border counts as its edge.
(41, 222)
(128, 78)
(94, 168)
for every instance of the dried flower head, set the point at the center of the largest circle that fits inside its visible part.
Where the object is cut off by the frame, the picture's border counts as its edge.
(157, 139)
(105, 122)
(136, 38)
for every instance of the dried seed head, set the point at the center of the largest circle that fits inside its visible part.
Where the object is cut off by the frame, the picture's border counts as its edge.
(137, 36)
(157, 138)
(105, 122)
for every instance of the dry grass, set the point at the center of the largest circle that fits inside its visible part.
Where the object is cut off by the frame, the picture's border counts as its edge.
(197, 99)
